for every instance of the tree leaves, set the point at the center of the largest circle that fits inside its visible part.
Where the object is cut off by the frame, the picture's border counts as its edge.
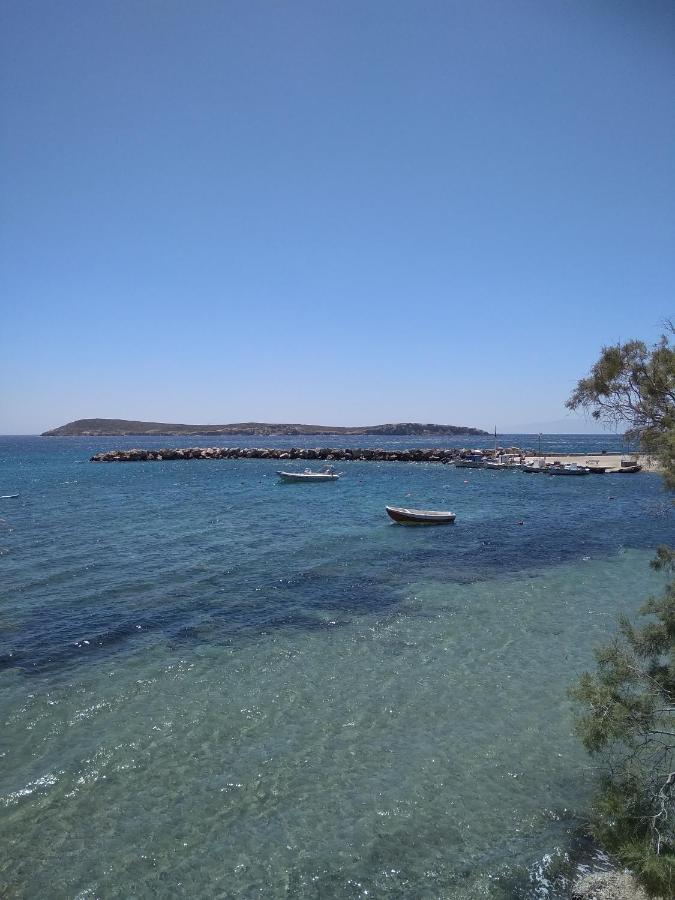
(633, 386)
(627, 705)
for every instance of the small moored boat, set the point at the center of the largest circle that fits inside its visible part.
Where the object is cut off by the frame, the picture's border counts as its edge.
(568, 469)
(595, 467)
(474, 460)
(503, 462)
(405, 516)
(327, 474)
(494, 464)
(534, 467)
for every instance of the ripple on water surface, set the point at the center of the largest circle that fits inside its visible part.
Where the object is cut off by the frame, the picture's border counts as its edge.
(283, 695)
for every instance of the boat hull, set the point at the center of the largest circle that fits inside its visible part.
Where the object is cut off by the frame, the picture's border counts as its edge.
(404, 516)
(305, 476)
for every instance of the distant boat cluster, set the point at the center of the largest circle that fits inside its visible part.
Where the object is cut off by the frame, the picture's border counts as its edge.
(513, 462)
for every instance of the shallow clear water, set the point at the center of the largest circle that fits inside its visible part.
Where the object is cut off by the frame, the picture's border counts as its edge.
(218, 685)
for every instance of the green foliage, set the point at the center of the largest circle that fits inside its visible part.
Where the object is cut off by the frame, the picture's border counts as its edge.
(628, 719)
(627, 705)
(633, 385)
(656, 871)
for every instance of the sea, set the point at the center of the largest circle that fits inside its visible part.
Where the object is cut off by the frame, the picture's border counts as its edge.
(214, 684)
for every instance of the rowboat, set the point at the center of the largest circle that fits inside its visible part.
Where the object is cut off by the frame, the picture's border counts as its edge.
(327, 474)
(419, 516)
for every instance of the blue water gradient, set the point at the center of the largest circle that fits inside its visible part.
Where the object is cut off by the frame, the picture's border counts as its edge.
(347, 680)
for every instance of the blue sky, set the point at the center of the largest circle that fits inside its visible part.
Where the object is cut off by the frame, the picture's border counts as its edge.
(330, 212)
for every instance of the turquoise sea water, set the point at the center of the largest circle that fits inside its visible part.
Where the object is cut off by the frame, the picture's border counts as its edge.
(214, 684)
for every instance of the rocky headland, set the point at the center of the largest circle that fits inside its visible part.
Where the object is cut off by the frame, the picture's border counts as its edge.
(121, 427)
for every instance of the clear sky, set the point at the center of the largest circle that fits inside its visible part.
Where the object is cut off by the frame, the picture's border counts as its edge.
(345, 212)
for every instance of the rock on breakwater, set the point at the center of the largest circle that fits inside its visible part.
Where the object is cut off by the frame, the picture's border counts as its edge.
(318, 453)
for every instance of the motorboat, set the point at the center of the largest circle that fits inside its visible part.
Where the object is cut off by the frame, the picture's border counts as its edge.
(326, 474)
(496, 461)
(534, 467)
(568, 469)
(504, 461)
(595, 467)
(405, 516)
(495, 464)
(471, 461)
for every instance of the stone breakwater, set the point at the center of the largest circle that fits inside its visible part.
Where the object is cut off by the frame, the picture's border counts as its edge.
(325, 453)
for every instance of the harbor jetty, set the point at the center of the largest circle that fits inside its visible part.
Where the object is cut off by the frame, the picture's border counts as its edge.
(440, 455)
(611, 462)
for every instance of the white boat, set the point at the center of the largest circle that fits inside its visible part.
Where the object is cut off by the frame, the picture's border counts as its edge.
(504, 461)
(533, 467)
(327, 474)
(405, 516)
(472, 461)
(492, 462)
(568, 469)
(595, 468)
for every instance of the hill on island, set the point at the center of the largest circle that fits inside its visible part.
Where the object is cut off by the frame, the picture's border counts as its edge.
(101, 427)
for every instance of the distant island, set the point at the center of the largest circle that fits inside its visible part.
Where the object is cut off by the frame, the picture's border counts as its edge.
(116, 427)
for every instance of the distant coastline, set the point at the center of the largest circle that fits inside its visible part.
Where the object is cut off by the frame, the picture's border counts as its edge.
(121, 427)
